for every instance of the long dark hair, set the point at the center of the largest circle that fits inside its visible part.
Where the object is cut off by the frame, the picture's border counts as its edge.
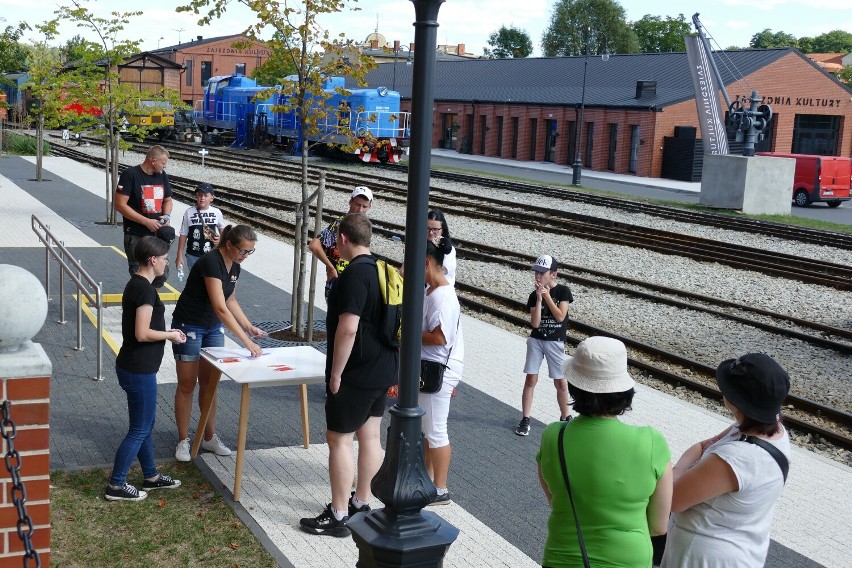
(438, 251)
(438, 215)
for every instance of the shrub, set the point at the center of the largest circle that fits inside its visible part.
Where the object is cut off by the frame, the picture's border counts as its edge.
(22, 145)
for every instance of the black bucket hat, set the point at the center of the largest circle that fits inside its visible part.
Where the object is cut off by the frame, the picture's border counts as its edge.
(756, 384)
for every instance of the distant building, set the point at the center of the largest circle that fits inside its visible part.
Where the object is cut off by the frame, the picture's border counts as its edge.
(201, 59)
(831, 62)
(640, 114)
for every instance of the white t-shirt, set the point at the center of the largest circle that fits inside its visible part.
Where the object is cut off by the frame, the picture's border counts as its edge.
(192, 228)
(731, 530)
(441, 307)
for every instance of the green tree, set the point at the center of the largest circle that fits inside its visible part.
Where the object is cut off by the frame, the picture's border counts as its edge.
(766, 39)
(806, 45)
(299, 40)
(599, 23)
(13, 53)
(835, 41)
(77, 49)
(658, 35)
(509, 42)
(93, 81)
(845, 75)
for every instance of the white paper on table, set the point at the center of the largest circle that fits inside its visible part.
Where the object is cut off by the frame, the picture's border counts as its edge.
(225, 352)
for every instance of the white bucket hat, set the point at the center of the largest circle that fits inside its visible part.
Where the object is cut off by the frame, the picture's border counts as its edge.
(599, 365)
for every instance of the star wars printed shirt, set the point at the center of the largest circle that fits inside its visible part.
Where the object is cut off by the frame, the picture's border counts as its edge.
(202, 226)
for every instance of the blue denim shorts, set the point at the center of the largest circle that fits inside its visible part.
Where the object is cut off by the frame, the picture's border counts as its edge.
(197, 337)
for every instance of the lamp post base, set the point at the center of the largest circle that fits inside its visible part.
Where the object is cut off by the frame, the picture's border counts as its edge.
(577, 174)
(387, 540)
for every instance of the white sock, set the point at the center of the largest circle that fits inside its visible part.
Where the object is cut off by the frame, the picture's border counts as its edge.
(358, 503)
(337, 514)
(441, 490)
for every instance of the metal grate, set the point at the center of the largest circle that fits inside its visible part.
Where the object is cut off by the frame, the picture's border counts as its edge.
(319, 325)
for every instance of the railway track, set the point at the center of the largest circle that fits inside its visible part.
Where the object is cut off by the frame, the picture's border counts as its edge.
(251, 208)
(572, 224)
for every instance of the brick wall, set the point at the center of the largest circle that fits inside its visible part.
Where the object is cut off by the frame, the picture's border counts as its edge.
(794, 85)
(30, 410)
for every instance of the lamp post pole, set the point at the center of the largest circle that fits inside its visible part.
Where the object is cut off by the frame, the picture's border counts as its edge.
(578, 166)
(402, 534)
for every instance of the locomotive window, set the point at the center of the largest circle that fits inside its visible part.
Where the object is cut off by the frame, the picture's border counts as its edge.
(240, 68)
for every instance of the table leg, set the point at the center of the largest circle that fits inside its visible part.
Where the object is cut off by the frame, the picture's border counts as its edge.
(206, 405)
(306, 432)
(241, 439)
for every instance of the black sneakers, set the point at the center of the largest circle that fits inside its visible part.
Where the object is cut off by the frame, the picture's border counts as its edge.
(124, 493)
(523, 428)
(353, 509)
(442, 499)
(325, 523)
(162, 482)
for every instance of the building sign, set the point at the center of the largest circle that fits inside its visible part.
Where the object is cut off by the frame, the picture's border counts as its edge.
(802, 102)
(709, 116)
(233, 51)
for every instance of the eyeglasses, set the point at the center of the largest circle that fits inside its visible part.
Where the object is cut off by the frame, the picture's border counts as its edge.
(246, 252)
(433, 230)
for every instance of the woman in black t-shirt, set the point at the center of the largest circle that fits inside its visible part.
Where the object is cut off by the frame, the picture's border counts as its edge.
(143, 330)
(207, 305)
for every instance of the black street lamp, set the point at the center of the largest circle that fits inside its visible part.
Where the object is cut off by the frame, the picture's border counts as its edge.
(578, 132)
(409, 61)
(402, 534)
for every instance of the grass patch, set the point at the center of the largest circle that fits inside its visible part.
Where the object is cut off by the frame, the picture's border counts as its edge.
(190, 526)
(23, 145)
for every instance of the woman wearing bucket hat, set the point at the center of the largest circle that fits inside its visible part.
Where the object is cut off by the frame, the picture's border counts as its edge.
(620, 476)
(725, 489)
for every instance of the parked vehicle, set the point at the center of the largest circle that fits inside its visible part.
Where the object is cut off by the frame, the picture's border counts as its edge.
(819, 178)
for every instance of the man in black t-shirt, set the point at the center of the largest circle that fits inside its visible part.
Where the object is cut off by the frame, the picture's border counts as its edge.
(359, 370)
(144, 199)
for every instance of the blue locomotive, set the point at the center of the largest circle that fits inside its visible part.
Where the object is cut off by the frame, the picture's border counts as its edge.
(253, 113)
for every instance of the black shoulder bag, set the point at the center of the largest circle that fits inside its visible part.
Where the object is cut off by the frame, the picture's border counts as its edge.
(776, 454)
(570, 496)
(432, 372)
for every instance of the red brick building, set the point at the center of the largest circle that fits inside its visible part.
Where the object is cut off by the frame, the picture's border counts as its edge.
(204, 58)
(639, 113)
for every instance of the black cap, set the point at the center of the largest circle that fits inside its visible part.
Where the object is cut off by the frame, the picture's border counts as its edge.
(756, 384)
(166, 233)
(205, 187)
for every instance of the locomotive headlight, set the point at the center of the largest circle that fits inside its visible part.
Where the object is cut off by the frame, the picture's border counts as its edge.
(383, 91)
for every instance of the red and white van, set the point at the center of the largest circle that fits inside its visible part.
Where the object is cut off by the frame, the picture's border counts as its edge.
(819, 178)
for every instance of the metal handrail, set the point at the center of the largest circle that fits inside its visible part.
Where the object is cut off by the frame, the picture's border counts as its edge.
(56, 249)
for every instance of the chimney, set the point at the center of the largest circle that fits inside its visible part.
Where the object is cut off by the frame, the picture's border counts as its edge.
(460, 49)
(200, 38)
(646, 89)
(411, 46)
(396, 46)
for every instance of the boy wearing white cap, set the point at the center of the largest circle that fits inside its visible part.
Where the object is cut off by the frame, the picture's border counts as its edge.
(548, 305)
(324, 245)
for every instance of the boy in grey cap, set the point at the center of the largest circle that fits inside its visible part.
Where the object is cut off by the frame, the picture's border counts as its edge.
(548, 305)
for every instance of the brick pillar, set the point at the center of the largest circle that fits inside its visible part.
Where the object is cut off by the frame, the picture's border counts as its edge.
(25, 372)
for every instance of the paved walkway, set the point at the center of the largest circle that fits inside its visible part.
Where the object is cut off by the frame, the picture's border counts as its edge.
(492, 472)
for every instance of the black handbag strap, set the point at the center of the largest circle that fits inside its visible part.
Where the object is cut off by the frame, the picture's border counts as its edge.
(570, 496)
(776, 454)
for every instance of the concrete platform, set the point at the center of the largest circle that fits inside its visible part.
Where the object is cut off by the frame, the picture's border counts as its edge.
(497, 502)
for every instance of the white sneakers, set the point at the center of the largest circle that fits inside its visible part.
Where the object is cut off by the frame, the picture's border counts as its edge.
(182, 451)
(214, 445)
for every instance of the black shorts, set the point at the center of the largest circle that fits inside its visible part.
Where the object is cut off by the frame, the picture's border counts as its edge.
(350, 408)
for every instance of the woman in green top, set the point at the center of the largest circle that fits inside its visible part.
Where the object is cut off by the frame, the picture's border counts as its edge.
(620, 475)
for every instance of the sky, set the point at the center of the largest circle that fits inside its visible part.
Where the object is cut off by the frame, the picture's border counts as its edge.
(460, 21)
